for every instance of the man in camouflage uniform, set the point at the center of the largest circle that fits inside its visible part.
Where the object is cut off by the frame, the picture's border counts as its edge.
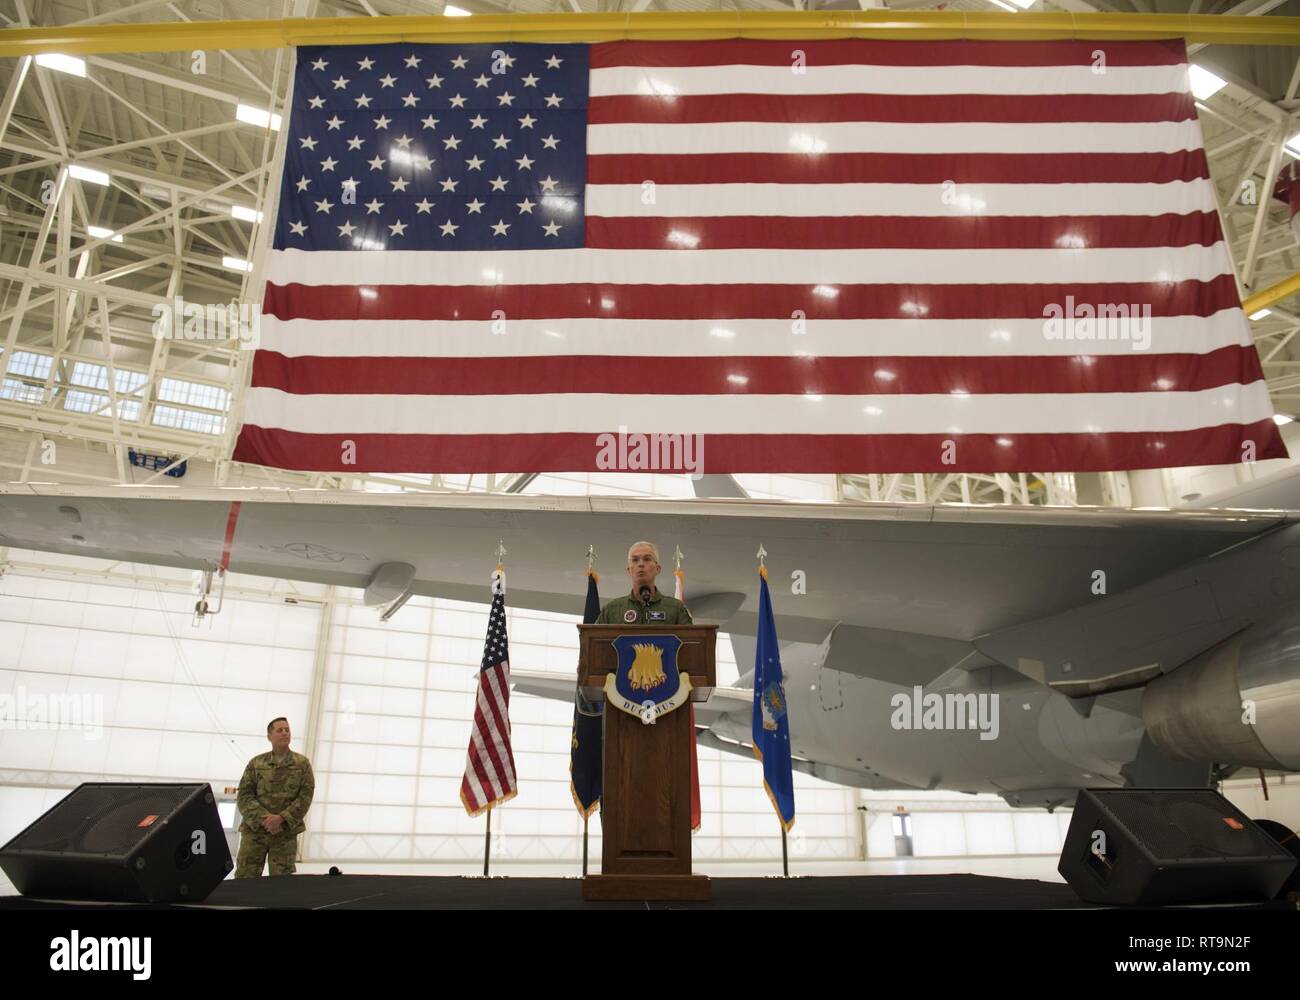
(658, 609)
(274, 796)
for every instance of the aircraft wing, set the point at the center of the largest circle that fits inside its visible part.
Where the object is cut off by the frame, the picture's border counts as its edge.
(942, 571)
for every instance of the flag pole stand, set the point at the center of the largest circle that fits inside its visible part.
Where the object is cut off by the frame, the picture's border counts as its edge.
(785, 854)
(487, 843)
(585, 821)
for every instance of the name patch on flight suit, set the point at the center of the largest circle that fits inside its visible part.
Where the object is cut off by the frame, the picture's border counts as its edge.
(658, 616)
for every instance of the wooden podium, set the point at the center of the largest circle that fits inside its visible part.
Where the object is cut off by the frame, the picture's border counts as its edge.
(645, 809)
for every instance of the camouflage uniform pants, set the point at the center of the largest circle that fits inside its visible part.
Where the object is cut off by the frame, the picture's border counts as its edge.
(255, 849)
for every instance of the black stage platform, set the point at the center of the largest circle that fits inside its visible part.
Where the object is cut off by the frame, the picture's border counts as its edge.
(408, 892)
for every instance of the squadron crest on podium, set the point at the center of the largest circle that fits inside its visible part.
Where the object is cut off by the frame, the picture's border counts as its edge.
(647, 683)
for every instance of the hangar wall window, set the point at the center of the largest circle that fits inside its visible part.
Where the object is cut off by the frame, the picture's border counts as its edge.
(96, 402)
(29, 372)
(157, 699)
(94, 376)
(22, 392)
(188, 420)
(211, 397)
(30, 364)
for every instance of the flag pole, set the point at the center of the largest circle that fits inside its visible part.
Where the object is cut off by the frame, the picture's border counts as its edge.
(586, 818)
(785, 854)
(487, 833)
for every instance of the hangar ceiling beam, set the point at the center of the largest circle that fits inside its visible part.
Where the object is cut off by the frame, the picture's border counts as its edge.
(11, 94)
(1276, 293)
(1278, 139)
(279, 33)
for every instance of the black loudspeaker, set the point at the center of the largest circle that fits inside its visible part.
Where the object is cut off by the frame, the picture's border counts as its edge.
(154, 843)
(1151, 846)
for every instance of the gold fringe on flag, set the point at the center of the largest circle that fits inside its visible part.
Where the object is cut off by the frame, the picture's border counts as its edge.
(491, 805)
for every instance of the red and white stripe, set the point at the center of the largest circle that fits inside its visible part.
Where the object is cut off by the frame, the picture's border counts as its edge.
(817, 193)
(489, 776)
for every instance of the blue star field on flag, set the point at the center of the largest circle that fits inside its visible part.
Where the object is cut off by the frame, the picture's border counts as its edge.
(436, 147)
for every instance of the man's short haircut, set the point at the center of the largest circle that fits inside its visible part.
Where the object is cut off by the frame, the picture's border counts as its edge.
(271, 725)
(651, 545)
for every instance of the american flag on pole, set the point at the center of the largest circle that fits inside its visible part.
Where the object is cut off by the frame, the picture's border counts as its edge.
(490, 768)
(832, 255)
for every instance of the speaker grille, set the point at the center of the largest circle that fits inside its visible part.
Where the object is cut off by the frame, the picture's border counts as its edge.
(102, 819)
(1190, 825)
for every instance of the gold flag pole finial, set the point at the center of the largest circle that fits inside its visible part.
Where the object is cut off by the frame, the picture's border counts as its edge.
(499, 574)
(677, 555)
(591, 557)
(762, 555)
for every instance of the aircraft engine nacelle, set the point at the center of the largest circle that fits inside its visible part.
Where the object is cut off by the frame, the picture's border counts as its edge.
(1236, 703)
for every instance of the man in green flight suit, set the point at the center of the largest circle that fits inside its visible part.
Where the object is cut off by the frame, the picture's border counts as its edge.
(274, 796)
(644, 605)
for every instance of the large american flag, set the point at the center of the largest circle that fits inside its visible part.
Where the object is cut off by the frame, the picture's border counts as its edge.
(819, 255)
(490, 765)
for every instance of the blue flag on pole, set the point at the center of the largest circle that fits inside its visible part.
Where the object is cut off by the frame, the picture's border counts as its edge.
(585, 744)
(771, 726)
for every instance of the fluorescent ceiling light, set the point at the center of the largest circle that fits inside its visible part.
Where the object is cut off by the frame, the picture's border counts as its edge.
(451, 11)
(1204, 83)
(1260, 314)
(257, 116)
(245, 214)
(64, 64)
(87, 174)
(1293, 145)
(99, 232)
(1014, 5)
(1282, 418)
(155, 192)
(236, 264)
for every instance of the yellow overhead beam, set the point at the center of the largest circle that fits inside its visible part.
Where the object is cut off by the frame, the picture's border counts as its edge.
(173, 36)
(1265, 297)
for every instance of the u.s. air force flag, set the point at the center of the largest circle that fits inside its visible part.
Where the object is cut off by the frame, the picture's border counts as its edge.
(647, 683)
(771, 727)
